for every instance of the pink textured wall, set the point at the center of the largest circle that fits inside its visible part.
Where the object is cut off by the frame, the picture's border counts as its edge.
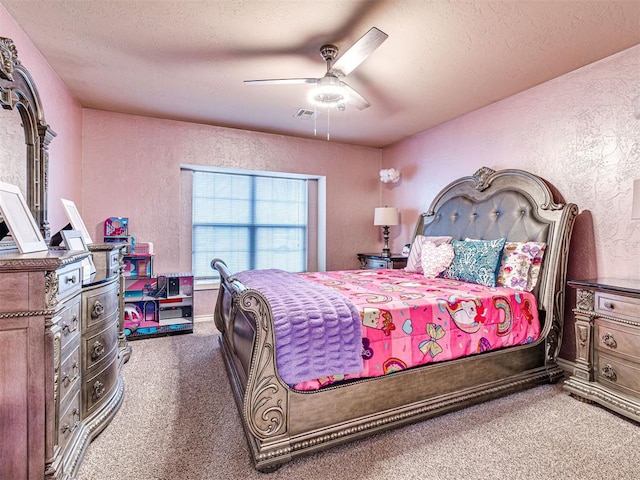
(132, 169)
(577, 131)
(63, 113)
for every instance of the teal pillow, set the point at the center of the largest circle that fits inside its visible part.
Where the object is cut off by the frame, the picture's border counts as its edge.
(475, 261)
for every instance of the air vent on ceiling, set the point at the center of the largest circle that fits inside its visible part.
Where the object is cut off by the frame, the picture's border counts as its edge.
(305, 114)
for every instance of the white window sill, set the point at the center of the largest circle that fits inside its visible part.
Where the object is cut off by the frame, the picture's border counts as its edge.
(207, 285)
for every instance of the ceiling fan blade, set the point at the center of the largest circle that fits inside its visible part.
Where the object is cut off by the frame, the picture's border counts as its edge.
(355, 98)
(358, 52)
(282, 81)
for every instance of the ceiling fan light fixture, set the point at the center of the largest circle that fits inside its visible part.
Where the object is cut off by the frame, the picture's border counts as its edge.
(329, 92)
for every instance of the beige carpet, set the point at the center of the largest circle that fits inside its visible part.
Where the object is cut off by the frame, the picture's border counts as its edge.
(178, 422)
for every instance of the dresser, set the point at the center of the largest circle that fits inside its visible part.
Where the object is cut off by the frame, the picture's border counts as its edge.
(607, 327)
(60, 359)
(374, 261)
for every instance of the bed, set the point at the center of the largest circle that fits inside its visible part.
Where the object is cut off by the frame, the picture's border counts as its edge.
(283, 421)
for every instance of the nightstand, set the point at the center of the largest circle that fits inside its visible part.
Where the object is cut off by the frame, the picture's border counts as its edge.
(376, 260)
(607, 365)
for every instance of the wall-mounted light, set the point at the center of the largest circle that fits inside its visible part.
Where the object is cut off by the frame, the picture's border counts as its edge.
(389, 175)
(384, 217)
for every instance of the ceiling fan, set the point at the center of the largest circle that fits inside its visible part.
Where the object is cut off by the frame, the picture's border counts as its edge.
(331, 90)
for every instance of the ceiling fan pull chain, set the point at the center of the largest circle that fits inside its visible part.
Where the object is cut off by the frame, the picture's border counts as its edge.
(328, 131)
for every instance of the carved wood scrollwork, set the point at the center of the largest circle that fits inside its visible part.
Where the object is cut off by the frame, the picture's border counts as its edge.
(51, 289)
(56, 366)
(553, 343)
(583, 341)
(9, 56)
(482, 178)
(266, 397)
(584, 300)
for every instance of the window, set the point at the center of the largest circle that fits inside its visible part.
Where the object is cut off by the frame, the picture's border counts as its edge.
(250, 221)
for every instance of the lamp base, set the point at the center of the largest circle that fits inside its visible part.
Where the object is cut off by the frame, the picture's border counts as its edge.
(386, 252)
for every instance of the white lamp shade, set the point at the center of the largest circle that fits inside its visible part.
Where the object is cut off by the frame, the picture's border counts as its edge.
(635, 206)
(386, 216)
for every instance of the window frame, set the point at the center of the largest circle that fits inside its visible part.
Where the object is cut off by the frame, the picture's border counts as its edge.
(317, 216)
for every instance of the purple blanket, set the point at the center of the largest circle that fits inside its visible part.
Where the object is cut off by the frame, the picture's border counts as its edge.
(318, 331)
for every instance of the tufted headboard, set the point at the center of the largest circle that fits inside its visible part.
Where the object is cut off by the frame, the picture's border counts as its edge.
(516, 205)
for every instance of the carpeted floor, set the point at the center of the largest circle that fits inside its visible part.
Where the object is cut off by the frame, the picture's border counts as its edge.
(179, 422)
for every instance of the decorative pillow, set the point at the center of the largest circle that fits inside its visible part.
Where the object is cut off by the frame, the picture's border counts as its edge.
(414, 262)
(435, 258)
(536, 250)
(514, 270)
(520, 265)
(475, 261)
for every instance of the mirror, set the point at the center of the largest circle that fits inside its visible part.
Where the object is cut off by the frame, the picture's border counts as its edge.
(13, 150)
(24, 136)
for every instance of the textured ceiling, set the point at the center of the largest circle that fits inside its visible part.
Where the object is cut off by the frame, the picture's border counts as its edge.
(186, 60)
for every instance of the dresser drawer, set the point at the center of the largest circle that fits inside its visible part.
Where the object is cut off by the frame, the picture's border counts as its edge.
(69, 373)
(113, 262)
(99, 346)
(617, 338)
(375, 263)
(98, 304)
(99, 387)
(618, 373)
(69, 419)
(69, 321)
(69, 280)
(617, 305)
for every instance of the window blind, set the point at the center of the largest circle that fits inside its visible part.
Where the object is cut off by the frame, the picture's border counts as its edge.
(249, 221)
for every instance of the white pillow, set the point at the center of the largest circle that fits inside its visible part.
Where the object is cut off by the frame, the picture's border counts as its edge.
(435, 258)
(414, 262)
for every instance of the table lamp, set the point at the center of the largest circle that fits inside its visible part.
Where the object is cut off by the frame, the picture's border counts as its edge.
(386, 216)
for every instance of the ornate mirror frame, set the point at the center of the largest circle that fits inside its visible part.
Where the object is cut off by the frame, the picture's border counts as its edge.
(18, 92)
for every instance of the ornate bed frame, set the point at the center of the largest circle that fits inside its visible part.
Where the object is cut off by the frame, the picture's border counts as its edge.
(281, 423)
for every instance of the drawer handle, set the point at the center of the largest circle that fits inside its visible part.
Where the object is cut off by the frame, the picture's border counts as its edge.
(609, 372)
(609, 341)
(66, 329)
(98, 309)
(66, 378)
(608, 305)
(70, 279)
(66, 427)
(97, 350)
(98, 389)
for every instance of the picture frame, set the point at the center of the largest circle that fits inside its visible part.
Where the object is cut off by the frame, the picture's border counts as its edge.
(19, 220)
(76, 220)
(74, 241)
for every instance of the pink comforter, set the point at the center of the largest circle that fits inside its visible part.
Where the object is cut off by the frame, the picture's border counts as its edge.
(409, 320)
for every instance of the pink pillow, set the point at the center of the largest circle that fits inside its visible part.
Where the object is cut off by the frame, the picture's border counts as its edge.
(435, 259)
(414, 262)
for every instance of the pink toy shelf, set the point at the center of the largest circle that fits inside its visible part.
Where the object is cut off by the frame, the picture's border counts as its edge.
(138, 265)
(154, 305)
(116, 227)
(140, 288)
(116, 230)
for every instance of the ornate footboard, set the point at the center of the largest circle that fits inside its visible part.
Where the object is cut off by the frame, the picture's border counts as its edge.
(282, 423)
